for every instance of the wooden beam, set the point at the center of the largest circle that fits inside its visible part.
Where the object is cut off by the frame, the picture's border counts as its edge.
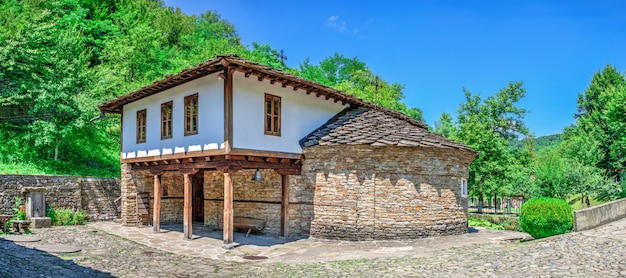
(156, 171)
(187, 217)
(256, 159)
(228, 208)
(261, 77)
(288, 171)
(228, 111)
(156, 208)
(284, 207)
(272, 159)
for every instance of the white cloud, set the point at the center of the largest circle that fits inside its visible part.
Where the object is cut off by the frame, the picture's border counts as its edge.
(332, 21)
(336, 24)
(341, 26)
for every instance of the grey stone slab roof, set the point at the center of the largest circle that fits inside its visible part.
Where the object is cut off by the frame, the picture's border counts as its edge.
(368, 126)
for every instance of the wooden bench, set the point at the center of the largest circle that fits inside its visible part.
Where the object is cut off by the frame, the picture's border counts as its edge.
(248, 223)
(20, 226)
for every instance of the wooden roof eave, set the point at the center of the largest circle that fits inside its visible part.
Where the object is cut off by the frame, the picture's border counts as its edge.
(114, 106)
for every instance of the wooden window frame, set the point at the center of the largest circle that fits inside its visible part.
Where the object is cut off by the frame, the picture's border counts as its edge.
(191, 116)
(273, 118)
(141, 126)
(167, 113)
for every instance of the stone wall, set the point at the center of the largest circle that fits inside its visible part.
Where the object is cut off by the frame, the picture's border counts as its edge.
(250, 198)
(95, 195)
(351, 192)
(592, 217)
(365, 192)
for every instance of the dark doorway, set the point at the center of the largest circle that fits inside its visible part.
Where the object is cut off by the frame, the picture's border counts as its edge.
(198, 197)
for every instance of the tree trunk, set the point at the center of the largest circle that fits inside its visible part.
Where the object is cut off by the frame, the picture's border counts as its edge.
(56, 151)
(495, 202)
(480, 202)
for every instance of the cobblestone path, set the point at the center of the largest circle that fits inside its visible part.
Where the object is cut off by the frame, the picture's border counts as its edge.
(596, 253)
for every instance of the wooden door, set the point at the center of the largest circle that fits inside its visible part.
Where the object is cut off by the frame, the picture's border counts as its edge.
(198, 198)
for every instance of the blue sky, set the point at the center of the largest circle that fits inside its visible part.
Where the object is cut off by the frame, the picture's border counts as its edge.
(435, 48)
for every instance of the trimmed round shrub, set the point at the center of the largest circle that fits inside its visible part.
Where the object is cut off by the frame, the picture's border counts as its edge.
(544, 217)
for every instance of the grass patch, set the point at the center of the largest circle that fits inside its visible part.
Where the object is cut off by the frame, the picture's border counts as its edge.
(507, 222)
(574, 202)
(475, 222)
(69, 256)
(59, 168)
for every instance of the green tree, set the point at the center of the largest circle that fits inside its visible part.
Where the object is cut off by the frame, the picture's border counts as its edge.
(593, 119)
(444, 126)
(487, 126)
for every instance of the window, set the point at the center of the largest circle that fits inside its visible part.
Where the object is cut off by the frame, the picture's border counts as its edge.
(463, 187)
(272, 115)
(191, 114)
(141, 126)
(166, 120)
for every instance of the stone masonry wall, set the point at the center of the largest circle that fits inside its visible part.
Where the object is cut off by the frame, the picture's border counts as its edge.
(251, 199)
(366, 192)
(95, 195)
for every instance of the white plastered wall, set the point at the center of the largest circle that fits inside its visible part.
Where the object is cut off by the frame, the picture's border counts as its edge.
(301, 114)
(210, 135)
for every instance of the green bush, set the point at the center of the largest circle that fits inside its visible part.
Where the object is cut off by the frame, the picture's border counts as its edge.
(544, 217)
(62, 216)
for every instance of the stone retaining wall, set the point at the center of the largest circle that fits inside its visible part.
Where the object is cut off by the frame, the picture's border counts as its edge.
(368, 193)
(590, 218)
(95, 195)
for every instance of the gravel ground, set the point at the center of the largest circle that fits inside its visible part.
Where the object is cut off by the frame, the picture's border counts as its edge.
(105, 255)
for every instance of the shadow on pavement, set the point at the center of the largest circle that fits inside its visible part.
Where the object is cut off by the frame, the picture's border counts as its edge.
(20, 261)
(240, 238)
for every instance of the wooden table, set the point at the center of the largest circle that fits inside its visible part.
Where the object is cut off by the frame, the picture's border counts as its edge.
(4, 218)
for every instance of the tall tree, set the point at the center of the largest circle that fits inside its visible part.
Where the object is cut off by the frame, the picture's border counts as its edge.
(444, 126)
(592, 118)
(487, 126)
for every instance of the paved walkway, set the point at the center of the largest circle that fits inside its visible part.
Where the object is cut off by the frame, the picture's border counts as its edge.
(207, 243)
(110, 250)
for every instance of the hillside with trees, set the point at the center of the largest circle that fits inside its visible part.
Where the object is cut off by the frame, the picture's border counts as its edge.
(538, 143)
(60, 59)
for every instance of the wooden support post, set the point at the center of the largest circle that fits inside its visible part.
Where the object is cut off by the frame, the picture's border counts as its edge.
(187, 217)
(156, 208)
(228, 109)
(284, 207)
(228, 207)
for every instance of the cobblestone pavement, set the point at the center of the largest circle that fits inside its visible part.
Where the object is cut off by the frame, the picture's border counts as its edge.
(600, 252)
